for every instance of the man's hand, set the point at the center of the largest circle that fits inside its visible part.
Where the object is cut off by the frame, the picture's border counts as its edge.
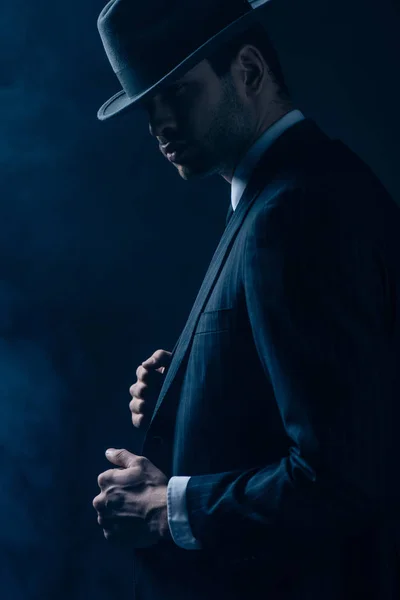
(132, 505)
(150, 377)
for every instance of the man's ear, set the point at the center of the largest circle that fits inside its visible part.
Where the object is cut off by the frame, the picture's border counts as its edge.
(252, 69)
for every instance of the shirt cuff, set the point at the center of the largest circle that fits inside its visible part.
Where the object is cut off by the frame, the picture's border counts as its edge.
(178, 519)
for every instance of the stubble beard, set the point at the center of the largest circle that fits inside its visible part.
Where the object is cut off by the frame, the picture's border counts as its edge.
(230, 127)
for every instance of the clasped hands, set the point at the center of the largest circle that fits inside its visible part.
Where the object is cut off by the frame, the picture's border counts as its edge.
(132, 504)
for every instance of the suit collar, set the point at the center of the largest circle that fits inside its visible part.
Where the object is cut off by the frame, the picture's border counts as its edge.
(288, 153)
(243, 170)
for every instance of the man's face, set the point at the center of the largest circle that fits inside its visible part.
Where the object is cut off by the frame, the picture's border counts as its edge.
(204, 116)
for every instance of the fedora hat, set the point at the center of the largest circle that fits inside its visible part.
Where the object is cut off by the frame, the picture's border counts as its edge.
(151, 43)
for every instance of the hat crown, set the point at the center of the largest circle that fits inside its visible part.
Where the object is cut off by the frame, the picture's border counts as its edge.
(151, 43)
(134, 32)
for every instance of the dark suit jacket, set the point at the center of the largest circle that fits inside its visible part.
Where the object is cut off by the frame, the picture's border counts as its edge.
(282, 400)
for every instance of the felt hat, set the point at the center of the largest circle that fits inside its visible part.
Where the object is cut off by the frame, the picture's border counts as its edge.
(151, 43)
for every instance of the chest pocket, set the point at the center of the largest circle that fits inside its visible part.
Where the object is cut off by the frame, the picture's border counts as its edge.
(215, 320)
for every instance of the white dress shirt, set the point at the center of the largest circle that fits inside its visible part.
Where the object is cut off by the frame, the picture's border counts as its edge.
(176, 495)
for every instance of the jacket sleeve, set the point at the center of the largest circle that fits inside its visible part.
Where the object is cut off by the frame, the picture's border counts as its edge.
(316, 303)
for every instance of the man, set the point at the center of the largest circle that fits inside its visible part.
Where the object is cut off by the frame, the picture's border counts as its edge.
(270, 462)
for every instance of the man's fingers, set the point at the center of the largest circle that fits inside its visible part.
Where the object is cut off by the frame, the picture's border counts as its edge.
(105, 478)
(144, 391)
(150, 368)
(148, 375)
(143, 375)
(160, 358)
(137, 420)
(137, 406)
(138, 390)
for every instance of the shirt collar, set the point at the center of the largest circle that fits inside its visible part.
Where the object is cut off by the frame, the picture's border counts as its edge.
(249, 161)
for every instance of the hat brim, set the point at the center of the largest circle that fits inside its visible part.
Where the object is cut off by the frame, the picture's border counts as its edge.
(121, 102)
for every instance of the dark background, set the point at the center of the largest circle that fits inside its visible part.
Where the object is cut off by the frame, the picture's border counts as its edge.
(103, 248)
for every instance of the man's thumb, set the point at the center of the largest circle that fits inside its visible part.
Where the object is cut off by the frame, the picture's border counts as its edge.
(121, 458)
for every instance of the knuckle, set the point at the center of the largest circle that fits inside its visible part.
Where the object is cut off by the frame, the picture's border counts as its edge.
(135, 412)
(138, 391)
(140, 404)
(137, 419)
(141, 462)
(105, 478)
(136, 404)
(141, 390)
(164, 355)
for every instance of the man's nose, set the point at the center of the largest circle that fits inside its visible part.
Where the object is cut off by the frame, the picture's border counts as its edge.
(161, 118)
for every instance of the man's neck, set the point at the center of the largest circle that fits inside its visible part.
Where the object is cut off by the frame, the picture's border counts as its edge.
(267, 122)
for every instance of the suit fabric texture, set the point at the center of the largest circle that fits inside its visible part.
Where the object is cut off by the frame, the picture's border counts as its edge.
(282, 398)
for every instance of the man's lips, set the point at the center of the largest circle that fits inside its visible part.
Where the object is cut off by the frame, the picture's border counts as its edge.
(174, 151)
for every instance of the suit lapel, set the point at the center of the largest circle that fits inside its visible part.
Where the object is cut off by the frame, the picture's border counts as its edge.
(262, 175)
(233, 226)
(228, 218)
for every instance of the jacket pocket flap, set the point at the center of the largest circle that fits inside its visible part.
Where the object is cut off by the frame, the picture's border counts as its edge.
(215, 320)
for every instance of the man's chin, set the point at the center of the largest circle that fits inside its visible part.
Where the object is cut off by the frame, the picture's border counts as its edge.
(191, 171)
